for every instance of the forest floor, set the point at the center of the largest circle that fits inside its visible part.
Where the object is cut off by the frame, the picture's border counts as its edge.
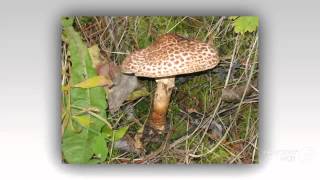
(213, 115)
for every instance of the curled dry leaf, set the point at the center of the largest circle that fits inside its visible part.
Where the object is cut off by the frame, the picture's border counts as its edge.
(120, 86)
(235, 94)
(215, 127)
(121, 90)
(123, 85)
(128, 144)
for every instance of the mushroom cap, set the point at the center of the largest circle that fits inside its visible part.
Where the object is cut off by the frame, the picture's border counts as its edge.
(171, 55)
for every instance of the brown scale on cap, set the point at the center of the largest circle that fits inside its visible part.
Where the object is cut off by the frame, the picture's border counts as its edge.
(171, 55)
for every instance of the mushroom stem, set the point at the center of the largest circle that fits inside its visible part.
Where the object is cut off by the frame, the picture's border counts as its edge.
(157, 118)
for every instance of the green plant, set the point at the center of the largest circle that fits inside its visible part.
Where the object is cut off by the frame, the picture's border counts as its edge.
(244, 24)
(84, 113)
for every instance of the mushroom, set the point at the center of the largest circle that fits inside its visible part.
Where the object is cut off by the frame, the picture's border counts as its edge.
(168, 56)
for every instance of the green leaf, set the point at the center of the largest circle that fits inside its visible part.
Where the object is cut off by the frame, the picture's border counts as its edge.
(246, 24)
(118, 134)
(99, 148)
(107, 132)
(67, 21)
(88, 98)
(84, 121)
(76, 148)
(81, 70)
(94, 82)
(138, 94)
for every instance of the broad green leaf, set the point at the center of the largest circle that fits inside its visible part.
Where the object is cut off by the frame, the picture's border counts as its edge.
(118, 134)
(81, 70)
(99, 148)
(76, 148)
(94, 82)
(246, 24)
(83, 120)
(67, 21)
(138, 94)
(107, 132)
